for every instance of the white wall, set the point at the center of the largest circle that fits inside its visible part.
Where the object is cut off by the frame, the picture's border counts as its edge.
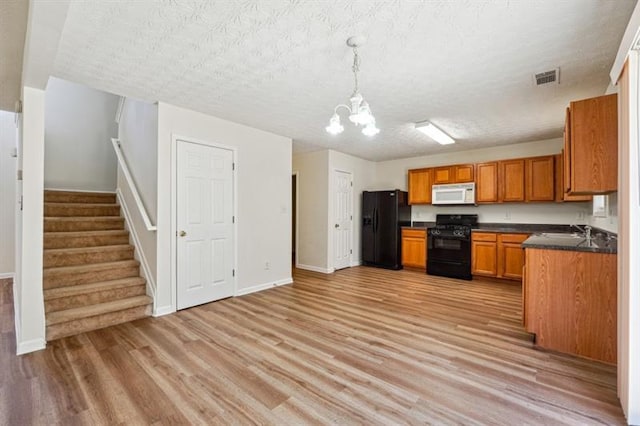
(263, 215)
(313, 210)
(8, 167)
(80, 123)
(363, 173)
(29, 303)
(138, 134)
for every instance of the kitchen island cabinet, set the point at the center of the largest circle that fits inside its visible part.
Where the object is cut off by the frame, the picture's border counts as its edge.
(570, 301)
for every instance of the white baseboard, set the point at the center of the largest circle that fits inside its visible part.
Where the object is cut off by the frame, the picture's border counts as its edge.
(315, 268)
(356, 263)
(79, 190)
(163, 310)
(31, 346)
(146, 271)
(5, 275)
(265, 286)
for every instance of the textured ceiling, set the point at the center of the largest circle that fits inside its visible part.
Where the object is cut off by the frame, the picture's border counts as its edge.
(13, 26)
(282, 65)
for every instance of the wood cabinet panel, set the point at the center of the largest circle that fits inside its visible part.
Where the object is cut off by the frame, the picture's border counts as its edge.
(593, 145)
(560, 195)
(414, 248)
(566, 159)
(463, 173)
(497, 255)
(512, 175)
(487, 182)
(442, 175)
(540, 183)
(484, 258)
(511, 256)
(571, 302)
(419, 185)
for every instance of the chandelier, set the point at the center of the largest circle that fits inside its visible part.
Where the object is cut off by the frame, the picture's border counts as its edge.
(359, 111)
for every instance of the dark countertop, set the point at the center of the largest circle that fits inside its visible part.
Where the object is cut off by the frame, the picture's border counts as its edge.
(599, 244)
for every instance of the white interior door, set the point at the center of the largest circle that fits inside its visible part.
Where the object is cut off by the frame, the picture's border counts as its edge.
(205, 246)
(343, 217)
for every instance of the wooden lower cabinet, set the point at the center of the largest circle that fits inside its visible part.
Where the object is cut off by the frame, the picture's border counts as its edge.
(497, 255)
(484, 254)
(414, 248)
(570, 302)
(511, 256)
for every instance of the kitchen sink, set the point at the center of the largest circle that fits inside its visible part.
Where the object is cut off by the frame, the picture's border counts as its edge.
(561, 235)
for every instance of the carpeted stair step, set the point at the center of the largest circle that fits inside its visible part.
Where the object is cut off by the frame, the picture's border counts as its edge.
(86, 318)
(71, 224)
(61, 298)
(86, 255)
(79, 197)
(56, 240)
(85, 274)
(80, 209)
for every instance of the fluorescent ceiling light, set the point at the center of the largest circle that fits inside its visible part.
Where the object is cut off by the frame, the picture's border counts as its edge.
(434, 133)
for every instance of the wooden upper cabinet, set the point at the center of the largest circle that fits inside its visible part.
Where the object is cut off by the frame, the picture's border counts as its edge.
(540, 183)
(566, 153)
(562, 196)
(592, 149)
(443, 175)
(459, 173)
(463, 173)
(420, 181)
(487, 182)
(512, 177)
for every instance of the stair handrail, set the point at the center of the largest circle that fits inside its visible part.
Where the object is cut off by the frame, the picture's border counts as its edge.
(134, 189)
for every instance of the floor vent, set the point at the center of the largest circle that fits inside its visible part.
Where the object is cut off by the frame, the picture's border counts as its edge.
(547, 77)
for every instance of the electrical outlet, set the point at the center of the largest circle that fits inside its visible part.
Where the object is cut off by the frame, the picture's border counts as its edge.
(267, 265)
(507, 215)
(580, 216)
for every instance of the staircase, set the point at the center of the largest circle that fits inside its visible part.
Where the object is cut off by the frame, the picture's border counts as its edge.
(91, 279)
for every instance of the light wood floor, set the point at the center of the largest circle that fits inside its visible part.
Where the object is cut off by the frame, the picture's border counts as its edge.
(361, 346)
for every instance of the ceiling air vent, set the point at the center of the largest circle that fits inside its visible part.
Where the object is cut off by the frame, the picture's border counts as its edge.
(547, 77)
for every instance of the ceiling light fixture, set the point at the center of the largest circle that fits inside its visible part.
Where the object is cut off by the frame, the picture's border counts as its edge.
(359, 111)
(434, 133)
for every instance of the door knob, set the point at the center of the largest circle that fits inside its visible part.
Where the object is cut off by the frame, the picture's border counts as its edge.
(337, 226)
(182, 233)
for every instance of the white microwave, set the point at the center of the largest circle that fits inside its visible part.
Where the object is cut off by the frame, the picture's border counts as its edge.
(456, 193)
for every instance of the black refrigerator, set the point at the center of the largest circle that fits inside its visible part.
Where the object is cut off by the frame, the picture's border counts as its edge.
(383, 213)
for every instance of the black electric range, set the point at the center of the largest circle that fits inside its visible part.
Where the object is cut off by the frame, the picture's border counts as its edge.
(449, 246)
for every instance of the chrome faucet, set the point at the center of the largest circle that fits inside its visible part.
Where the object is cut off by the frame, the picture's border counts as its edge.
(586, 231)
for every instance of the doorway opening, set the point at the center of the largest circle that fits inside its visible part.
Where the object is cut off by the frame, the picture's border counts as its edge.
(294, 218)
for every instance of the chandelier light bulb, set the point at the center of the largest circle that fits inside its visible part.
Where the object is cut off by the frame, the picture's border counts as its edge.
(334, 126)
(370, 129)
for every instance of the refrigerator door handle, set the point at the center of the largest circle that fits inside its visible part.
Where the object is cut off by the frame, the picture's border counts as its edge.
(375, 219)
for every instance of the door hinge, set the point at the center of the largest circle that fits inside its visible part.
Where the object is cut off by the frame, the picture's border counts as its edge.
(351, 183)
(350, 251)
(233, 272)
(351, 217)
(233, 219)
(233, 166)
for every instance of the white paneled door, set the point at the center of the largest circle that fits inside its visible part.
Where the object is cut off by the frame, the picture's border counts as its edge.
(205, 237)
(343, 217)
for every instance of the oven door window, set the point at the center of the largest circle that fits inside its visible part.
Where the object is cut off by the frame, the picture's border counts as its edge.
(447, 244)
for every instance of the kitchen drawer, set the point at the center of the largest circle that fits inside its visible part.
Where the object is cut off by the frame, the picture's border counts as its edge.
(484, 236)
(414, 233)
(513, 238)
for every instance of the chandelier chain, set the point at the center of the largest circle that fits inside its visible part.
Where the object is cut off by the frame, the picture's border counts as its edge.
(356, 69)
